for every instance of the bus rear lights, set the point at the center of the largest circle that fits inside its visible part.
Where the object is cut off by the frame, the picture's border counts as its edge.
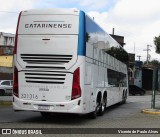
(76, 90)
(15, 82)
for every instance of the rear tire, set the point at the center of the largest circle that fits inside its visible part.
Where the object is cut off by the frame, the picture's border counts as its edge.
(124, 97)
(101, 110)
(93, 115)
(103, 106)
(104, 103)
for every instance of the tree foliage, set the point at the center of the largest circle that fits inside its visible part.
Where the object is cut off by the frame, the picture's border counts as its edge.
(154, 63)
(157, 43)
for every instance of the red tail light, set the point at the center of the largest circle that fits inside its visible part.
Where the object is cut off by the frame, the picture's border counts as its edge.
(76, 89)
(15, 82)
(16, 38)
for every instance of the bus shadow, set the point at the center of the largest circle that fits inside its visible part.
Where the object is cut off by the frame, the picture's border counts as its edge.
(56, 118)
(66, 119)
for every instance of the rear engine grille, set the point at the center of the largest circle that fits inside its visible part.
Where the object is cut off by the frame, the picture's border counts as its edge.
(45, 78)
(45, 58)
(47, 67)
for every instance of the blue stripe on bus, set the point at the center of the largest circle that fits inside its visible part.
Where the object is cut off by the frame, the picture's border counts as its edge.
(82, 35)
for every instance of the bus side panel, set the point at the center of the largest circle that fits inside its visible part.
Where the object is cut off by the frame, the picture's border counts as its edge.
(104, 53)
(91, 77)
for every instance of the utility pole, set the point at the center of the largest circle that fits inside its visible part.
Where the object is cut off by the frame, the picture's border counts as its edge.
(148, 56)
(153, 89)
(139, 57)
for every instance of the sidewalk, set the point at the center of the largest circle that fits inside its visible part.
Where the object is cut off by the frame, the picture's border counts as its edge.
(156, 110)
(149, 92)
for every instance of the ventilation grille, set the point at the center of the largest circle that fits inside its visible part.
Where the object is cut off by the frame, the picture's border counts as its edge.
(45, 58)
(45, 78)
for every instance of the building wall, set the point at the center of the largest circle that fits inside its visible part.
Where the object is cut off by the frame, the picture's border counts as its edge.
(6, 55)
(6, 76)
(6, 73)
(6, 43)
(7, 39)
(6, 61)
(147, 76)
(158, 83)
(138, 78)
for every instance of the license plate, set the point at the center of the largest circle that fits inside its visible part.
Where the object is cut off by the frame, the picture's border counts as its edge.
(43, 107)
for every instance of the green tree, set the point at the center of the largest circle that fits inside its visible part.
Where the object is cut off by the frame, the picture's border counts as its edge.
(157, 43)
(154, 63)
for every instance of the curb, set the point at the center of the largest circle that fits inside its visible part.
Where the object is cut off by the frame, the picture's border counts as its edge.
(5, 103)
(151, 111)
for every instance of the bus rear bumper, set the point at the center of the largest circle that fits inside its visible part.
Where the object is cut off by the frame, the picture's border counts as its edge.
(74, 106)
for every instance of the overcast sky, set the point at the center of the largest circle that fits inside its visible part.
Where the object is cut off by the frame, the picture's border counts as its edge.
(137, 20)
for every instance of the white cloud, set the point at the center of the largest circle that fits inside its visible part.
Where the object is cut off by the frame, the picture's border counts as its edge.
(137, 20)
(8, 17)
(94, 4)
(137, 9)
(15, 5)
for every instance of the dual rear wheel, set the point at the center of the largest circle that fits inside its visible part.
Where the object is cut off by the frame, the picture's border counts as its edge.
(99, 109)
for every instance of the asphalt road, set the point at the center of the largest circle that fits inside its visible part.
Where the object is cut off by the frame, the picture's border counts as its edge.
(118, 116)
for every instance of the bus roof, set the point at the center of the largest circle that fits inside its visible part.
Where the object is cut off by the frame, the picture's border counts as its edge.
(51, 11)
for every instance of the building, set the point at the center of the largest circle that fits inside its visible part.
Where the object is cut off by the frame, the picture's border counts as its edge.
(6, 43)
(138, 73)
(6, 55)
(131, 68)
(119, 39)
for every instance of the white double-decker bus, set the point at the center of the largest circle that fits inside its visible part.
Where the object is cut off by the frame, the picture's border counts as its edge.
(64, 62)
